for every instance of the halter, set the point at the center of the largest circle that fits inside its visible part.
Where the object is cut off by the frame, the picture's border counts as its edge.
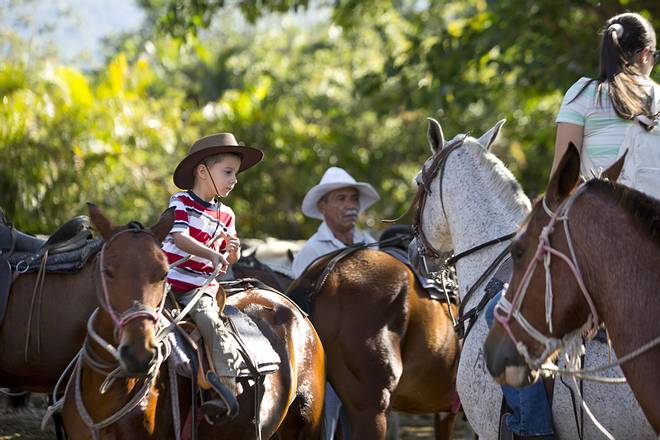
(506, 311)
(138, 310)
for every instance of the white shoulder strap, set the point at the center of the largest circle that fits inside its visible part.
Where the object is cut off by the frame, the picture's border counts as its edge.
(645, 120)
(655, 96)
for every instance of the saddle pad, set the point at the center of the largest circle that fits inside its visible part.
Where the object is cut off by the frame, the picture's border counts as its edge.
(259, 350)
(180, 354)
(64, 262)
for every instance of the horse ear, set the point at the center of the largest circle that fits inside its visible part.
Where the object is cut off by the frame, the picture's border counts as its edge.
(612, 173)
(566, 176)
(487, 139)
(100, 221)
(435, 135)
(164, 225)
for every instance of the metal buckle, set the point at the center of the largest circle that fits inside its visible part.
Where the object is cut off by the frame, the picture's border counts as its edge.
(22, 266)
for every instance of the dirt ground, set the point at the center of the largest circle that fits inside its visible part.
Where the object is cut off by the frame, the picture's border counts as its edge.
(25, 423)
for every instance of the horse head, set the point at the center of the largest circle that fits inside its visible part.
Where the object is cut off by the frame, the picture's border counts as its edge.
(452, 168)
(131, 283)
(531, 323)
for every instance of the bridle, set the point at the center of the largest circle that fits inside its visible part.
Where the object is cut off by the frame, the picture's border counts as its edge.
(426, 250)
(428, 174)
(138, 309)
(112, 369)
(507, 311)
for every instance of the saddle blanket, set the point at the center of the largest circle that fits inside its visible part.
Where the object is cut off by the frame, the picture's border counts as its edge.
(62, 262)
(257, 352)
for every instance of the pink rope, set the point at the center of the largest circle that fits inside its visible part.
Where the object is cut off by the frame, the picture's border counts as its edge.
(542, 249)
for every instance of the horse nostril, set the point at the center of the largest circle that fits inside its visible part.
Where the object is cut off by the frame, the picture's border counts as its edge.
(124, 351)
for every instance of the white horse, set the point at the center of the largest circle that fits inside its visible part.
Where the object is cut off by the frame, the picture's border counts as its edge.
(475, 200)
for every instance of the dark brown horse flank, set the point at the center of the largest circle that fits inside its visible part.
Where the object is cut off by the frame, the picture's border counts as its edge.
(389, 346)
(44, 324)
(292, 407)
(614, 233)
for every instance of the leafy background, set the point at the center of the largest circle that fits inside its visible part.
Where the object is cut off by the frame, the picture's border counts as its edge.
(314, 84)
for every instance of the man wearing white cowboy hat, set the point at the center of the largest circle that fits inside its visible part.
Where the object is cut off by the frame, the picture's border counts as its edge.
(337, 200)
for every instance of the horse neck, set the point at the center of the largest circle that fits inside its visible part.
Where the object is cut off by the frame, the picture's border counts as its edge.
(480, 207)
(625, 295)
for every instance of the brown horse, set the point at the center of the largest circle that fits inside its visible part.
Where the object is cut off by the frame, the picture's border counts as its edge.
(131, 275)
(603, 241)
(33, 356)
(389, 346)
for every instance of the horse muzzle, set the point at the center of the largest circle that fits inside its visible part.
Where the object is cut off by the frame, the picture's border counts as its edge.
(503, 361)
(136, 362)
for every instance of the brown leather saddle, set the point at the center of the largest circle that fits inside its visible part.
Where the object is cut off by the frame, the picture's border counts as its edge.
(21, 252)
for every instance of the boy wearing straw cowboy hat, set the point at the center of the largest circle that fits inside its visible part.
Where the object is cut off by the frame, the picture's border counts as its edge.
(337, 200)
(204, 231)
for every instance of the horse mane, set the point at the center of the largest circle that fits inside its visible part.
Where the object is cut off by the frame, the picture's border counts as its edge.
(504, 181)
(645, 210)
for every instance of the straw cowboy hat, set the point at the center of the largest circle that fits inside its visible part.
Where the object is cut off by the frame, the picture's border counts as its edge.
(336, 178)
(208, 146)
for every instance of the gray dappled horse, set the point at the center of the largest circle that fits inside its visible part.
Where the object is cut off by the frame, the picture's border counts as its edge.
(474, 200)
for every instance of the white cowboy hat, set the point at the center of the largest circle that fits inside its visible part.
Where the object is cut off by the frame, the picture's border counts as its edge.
(336, 178)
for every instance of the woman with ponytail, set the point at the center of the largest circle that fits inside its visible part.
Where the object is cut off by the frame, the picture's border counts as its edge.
(596, 112)
(594, 115)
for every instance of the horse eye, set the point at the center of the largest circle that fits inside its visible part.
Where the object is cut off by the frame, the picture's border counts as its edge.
(517, 252)
(108, 273)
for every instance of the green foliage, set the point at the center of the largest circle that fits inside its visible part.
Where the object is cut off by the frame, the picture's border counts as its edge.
(352, 91)
(65, 141)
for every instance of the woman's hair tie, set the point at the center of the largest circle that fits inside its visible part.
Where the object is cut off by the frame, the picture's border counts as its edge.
(616, 28)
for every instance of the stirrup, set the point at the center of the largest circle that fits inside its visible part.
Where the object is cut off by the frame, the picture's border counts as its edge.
(504, 432)
(227, 397)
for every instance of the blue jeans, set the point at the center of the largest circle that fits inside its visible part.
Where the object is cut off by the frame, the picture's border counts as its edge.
(532, 414)
(334, 415)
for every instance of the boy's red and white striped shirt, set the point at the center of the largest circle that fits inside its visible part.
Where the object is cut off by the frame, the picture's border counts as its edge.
(200, 220)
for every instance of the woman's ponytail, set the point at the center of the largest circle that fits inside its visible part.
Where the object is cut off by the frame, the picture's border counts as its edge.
(624, 36)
